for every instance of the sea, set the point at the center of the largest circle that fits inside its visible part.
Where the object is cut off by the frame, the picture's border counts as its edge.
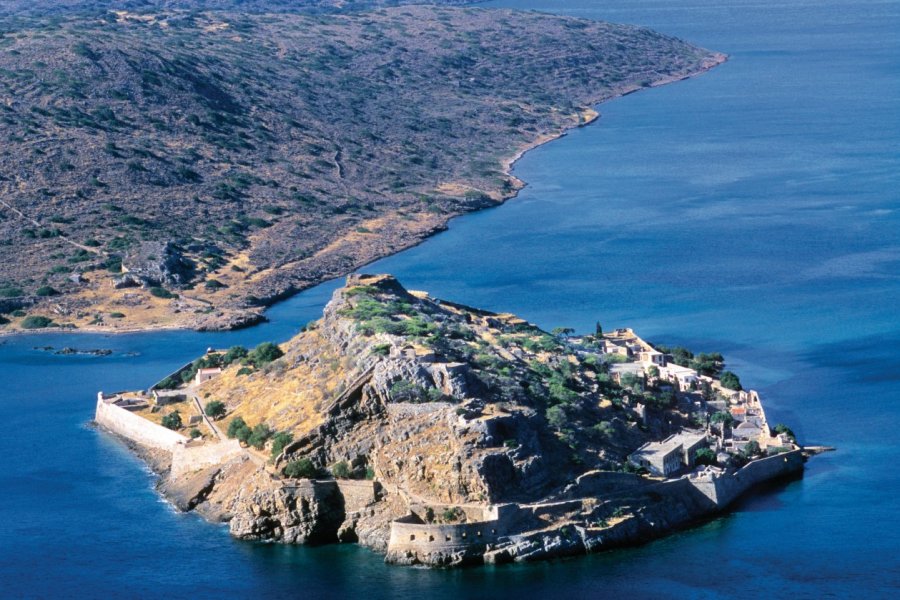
(753, 211)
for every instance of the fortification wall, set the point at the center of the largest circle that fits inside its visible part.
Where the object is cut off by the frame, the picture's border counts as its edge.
(601, 483)
(137, 429)
(725, 489)
(357, 494)
(187, 458)
(423, 540)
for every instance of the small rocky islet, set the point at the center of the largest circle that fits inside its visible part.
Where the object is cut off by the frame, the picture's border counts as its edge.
(440, 434)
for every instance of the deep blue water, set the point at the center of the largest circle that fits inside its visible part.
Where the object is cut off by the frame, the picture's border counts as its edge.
(754, 210)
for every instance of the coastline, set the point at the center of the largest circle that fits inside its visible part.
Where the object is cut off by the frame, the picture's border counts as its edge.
(586, 117)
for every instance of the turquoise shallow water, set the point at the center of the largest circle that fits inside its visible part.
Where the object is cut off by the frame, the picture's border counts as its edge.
(753, 210)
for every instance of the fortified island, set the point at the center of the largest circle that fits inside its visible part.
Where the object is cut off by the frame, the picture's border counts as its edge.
(442, 435)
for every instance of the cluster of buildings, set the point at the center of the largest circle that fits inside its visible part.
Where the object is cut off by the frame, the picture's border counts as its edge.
(677, 453)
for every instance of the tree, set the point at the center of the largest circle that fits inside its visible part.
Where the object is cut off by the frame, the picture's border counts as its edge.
(787, 431)
(279, 441)
(751, 449)
(215, 409)
(730, 380)
(301, 469)
(234, 353)
(705, 456)
(264, 354)
(172, 420)
(239, 429)
(557, 417)
(562, 332)
(598, 329)
(258, 437)
(341, 470)
(724, 417)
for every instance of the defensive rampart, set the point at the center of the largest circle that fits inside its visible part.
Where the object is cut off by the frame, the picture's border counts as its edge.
(131, 426)
(725, 488)
(187, 458)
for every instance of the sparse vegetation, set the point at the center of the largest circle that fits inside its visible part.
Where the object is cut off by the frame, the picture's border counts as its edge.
(36, 322)
(167, 130)
(301, 469)
(341, 470)
(172, 420)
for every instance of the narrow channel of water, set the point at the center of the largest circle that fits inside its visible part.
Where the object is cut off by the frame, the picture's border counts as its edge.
(753, 210)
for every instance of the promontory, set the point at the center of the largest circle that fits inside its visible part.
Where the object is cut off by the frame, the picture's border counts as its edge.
(166, 167)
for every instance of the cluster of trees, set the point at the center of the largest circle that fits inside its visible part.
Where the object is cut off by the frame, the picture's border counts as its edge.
(730, 380)
(704, 363)
(406, 391)
(260, 356)
(304, 468)
(258, 435)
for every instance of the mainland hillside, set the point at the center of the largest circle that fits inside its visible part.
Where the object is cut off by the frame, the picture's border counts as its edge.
(59, 7)
(186, 168)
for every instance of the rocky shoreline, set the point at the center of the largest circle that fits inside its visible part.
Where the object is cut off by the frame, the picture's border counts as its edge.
(286, 283)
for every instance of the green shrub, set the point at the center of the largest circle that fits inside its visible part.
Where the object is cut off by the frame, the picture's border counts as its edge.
(341, 470)
(11, 292)
(557, 417)
(234, 353)
(705, 456)
(724, 417)
(264, 354)
(787, 431)
(172, 420)
(117, 315)
(244, 371)
(381, 349)
(18, 313)
(215, 409)
(46, 290)
(195, 433)
(161, 292)
(36, 322)
(730, 380)
(280, 441)
(259, 436)
(238, 429)
(301, 469)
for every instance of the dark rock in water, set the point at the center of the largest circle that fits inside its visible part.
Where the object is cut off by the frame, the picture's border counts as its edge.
(68, 351)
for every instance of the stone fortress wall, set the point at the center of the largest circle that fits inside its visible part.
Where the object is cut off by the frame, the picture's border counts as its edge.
(130, 426)
(193, 457)
(723, 489)
(709, 492)
(187, 455)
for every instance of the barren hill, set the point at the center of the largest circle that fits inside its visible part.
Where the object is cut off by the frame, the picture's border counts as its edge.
(230, 160)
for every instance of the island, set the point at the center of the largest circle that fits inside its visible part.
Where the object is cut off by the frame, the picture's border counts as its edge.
(443, 435)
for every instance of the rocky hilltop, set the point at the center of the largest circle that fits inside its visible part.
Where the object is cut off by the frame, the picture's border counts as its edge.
(441, 434)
